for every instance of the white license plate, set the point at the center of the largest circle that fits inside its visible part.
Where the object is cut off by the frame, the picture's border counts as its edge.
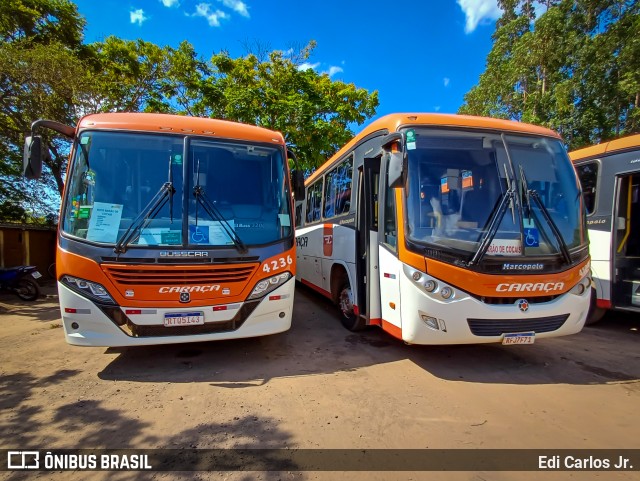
(519, 338)
(176, 319)
(36, 275)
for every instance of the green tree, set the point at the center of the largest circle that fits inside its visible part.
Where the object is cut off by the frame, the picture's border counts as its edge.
(313, 111)
(40, 76)
(574, 69)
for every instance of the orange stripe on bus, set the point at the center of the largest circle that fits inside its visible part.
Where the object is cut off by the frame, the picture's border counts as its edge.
(316, 288)
(392, 329)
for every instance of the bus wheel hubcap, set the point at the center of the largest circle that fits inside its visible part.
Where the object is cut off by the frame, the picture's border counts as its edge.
(346, 302)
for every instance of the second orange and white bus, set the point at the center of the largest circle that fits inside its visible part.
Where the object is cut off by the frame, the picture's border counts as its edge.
(446, 229)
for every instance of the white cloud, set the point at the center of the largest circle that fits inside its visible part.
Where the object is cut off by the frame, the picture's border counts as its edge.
(137, 16)
(170, 3)
(446, 81)
(307, 66)
(237, 6)
(204, 10)
(334, 70)
(477, 11)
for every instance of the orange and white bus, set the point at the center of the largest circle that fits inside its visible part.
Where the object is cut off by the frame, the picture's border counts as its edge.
(610, 177)
(446, 229)
(172, 229)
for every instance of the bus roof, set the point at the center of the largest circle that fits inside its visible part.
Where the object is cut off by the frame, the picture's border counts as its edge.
(179, 124)
(606, 148)
(393, 122)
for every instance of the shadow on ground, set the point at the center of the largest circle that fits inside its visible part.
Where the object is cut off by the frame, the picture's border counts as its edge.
(318, 344)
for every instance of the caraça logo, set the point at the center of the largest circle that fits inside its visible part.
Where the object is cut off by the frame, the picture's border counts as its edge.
(181, 289)
(530, 287)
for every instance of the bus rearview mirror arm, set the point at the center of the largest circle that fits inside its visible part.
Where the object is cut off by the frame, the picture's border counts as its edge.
(35, 149)
(396, 158)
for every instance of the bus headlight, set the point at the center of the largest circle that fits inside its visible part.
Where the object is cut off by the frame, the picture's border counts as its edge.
(265, 286)
(446, 292)
(89, 289)
(430, 285)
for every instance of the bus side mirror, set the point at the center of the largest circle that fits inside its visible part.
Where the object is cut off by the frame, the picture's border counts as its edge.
(297, 181)
(392, 145)
(32, 157)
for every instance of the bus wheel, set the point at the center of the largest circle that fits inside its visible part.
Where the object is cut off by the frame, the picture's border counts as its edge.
(348, 318)
(595, 313)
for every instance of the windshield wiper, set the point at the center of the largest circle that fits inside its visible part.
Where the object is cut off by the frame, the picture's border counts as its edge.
(494, 223)
(533, 194)
(525, 192)
(554, 228)
(215, 214)
(148, 213)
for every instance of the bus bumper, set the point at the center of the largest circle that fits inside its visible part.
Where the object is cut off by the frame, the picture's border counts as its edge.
(85, 324)
(467, 320)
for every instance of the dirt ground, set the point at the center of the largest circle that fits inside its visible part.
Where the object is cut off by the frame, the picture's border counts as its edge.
(316, 386)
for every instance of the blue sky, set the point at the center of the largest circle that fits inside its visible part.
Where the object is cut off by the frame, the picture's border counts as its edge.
(421, 55)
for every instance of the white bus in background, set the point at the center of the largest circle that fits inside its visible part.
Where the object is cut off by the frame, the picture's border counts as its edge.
(610, 177)
(446, 229)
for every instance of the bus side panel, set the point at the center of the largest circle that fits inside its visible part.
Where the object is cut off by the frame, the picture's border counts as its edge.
(600, 250)
(342, 241)
(309, 253)
(390, 272)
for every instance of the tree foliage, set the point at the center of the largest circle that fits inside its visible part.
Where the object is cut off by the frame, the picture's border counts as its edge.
(575, 68)
(46, 71)
(41, 75)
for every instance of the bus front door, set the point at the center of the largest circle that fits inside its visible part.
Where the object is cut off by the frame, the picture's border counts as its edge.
(625, 289)
(368, 281)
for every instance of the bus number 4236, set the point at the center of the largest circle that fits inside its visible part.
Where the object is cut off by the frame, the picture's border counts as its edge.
(276, 264)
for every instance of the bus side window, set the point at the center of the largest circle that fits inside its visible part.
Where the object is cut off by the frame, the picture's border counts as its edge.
(390, 229)
(314, 201)
(588, 175)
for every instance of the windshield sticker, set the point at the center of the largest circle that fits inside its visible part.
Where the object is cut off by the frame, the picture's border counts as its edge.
(159, 235)
(104, 222)
(84, 211)
(218, 235)
(85, 139)
(505, 247)
(285, 221)
(532, 238)
(211, 233)
(199, 234)
(411, 139)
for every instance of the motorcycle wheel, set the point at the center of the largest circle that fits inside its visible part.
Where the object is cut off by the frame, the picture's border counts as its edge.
(27, 290)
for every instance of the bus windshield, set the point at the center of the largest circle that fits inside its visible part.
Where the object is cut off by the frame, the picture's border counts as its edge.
(457, 181)
(169, 190)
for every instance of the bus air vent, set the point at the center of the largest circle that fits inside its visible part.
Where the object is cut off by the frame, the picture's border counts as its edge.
(498, 327)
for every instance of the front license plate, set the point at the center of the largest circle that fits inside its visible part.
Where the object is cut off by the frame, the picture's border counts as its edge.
(176, 319)
(519, 338)
(36, 275)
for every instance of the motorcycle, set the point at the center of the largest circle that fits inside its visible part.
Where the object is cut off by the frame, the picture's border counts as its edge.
(21, 281)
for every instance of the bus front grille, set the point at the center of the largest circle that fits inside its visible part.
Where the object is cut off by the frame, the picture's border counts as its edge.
(132, 329)
(498, 327)
(172, 275)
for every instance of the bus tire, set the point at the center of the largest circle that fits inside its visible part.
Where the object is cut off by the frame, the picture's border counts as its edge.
(348, 317)
(595, 313)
